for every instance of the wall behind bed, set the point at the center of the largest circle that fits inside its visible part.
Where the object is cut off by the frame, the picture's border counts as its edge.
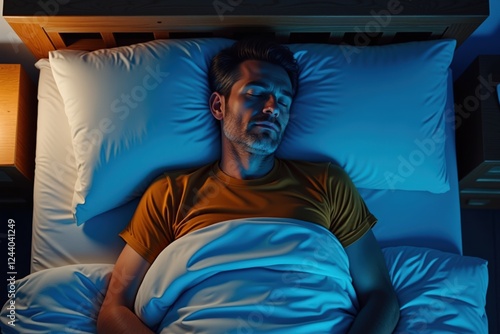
(13, 51)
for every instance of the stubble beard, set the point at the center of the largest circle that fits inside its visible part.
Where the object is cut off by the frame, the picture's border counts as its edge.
(250, 140)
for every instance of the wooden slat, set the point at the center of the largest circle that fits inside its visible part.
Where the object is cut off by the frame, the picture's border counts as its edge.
(56, 39)
(34, 37)
(282, 36)
(161, 34)
(387, 37)
(87, 45)
(108, 39)
(335, 37)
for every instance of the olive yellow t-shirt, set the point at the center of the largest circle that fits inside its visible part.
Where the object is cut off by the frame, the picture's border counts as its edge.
(181, 202)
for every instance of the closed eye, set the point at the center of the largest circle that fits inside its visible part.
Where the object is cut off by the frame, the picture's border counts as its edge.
(285, 102)
(252, 94)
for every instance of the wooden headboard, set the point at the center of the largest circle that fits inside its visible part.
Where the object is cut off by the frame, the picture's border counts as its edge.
(91, 24)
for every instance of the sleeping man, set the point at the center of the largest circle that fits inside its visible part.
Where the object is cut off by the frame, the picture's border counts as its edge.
(253, 84)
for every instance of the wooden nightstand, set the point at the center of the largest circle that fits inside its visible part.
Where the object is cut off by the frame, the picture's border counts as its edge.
(477, 112)
(18, 113)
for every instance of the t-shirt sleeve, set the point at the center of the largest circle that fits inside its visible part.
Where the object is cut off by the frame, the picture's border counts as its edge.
(350, 218)
(148, 233)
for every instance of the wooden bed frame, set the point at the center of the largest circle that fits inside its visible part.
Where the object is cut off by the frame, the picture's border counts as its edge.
(91, 24)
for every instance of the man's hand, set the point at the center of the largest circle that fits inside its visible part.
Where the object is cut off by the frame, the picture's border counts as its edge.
(379, 307)
(116, 315)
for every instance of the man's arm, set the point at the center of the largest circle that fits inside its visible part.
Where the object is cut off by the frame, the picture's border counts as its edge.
(379, 306)
(116, 315)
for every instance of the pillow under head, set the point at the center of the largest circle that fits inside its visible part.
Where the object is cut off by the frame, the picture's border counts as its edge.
(139, 110)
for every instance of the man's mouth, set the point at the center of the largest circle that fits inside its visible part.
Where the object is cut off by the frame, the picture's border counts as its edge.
(269, 125)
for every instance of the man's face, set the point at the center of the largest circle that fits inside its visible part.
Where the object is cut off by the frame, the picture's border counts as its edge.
(257, 111)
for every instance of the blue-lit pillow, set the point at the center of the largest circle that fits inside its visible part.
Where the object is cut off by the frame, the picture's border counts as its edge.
(66, 299)
(498, 92)
(376, 111)
(438, 292)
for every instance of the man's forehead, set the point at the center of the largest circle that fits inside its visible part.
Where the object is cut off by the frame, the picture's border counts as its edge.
(260, 71)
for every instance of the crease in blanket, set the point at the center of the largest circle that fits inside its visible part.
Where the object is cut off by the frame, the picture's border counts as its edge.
(258, 275)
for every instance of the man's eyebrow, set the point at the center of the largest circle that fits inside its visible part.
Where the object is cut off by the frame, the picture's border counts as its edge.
(266, 86)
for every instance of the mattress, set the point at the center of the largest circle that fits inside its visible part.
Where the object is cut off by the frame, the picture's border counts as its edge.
(415, 218)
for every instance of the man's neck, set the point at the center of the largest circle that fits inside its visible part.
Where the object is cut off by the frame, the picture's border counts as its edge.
(244, 165)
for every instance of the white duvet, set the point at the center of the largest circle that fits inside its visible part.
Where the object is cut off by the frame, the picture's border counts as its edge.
(257, 276)
(250, 276)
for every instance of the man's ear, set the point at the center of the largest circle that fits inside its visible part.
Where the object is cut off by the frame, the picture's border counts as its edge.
(217, 105)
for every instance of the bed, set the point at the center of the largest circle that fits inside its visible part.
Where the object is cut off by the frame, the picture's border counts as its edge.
(104, 80)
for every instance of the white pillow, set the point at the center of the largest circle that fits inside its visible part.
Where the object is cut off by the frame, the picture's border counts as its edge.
(498, 92)
(133, 112)
(59, 300)
(139, 110)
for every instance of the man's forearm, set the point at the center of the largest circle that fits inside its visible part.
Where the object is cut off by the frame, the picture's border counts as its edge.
(380, 314)
(120, 319)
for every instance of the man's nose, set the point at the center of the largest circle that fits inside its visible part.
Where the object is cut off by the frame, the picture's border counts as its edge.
(271, 106)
